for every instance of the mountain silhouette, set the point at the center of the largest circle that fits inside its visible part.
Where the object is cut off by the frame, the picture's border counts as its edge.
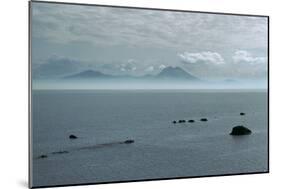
(175, 73)
(169, 73)
(89, 74)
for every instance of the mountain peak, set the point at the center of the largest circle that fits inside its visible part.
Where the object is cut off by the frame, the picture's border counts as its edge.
(88, 74)
(175, 73)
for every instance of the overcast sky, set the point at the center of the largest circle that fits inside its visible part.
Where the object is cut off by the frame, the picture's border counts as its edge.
(70, 38)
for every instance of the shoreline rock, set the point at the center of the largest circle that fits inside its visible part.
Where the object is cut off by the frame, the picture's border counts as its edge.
(203, 119)
(182, 121)
(60, 152)
(129, 141)
(240, 130)
(43, 156)
(72, 137)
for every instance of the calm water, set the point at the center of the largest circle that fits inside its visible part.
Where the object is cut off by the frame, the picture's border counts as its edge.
(101, 119)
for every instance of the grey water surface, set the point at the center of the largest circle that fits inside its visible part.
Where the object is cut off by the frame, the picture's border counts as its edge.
(103, 119)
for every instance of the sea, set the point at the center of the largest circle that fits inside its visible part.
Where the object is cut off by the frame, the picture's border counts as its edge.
(103, 119)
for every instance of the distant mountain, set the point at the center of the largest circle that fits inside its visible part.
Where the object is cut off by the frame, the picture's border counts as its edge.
(230, 80)
(175, 73)
(169, 73)
(89, 74)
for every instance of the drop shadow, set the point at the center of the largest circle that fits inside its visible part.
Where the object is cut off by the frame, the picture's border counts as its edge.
(23, 183)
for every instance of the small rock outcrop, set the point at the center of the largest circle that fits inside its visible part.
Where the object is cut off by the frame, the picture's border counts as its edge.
(43, 156)
(72, 137)
(60, 152)
(129, 141)
(240, 130)
(203, 119)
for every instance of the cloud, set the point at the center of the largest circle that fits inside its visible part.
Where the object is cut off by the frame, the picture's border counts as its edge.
(134, 27)
(149, 69)
(202, 57)
(162, 66)
(129, 66)
(211, 65)
(136, 41)
(248, 65)
(56, 66)
(242, 56)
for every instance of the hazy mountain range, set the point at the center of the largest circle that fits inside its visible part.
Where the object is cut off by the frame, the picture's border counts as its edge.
(169, 73)
(167, 78)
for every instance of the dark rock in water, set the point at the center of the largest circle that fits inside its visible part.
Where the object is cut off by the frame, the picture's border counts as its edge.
(43, 156)
(191, 121)
(181, 121)
(203, 119)
(174, 122)
(240, 130)
(72, 137)
(129, 141)
(60, 152)
(242, 113)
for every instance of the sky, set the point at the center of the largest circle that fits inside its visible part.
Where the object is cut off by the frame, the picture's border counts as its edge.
(68, 39)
